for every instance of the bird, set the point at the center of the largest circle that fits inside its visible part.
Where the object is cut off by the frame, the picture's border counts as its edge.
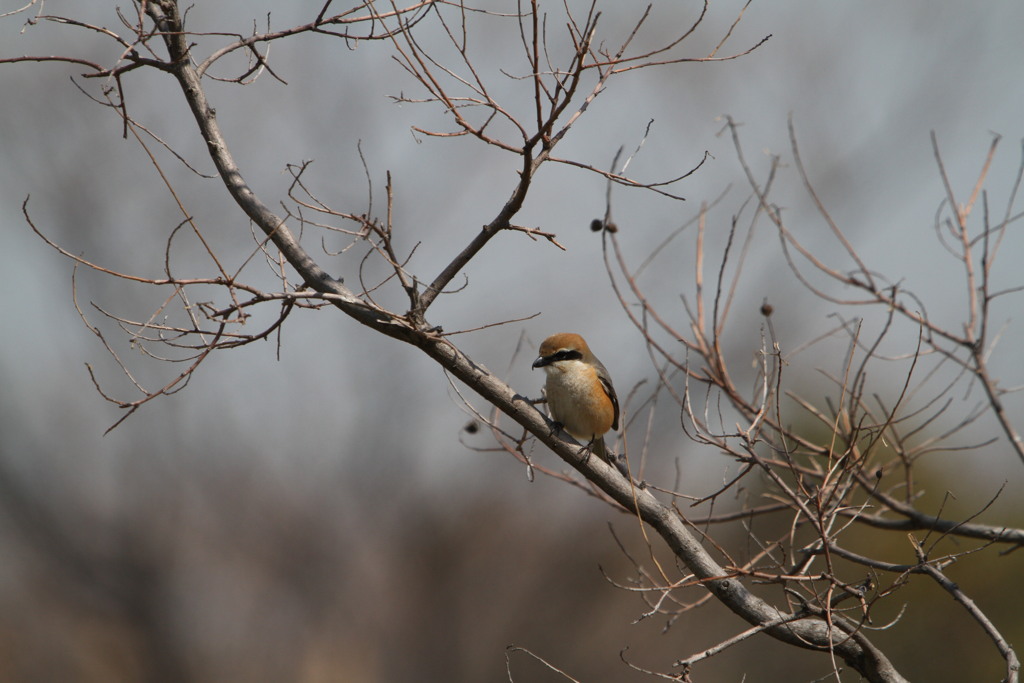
(579, 391)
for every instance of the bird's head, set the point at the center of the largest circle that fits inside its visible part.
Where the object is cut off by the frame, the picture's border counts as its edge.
(561, 348)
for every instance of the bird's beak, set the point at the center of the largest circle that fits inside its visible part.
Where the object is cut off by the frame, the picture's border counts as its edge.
(540, 362)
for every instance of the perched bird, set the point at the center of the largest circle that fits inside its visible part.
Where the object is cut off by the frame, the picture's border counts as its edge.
(579, 391)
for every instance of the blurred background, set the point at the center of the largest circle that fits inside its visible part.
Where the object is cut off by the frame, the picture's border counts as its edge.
(312, 509)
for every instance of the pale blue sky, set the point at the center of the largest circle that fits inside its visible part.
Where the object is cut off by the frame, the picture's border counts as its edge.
(864, 83)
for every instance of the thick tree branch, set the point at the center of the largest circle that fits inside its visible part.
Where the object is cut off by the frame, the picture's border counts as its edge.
(806, 631)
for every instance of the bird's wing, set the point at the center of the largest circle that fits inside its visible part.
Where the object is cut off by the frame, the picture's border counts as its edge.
(606, 382)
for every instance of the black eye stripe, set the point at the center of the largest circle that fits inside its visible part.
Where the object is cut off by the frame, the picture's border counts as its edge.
(567, 354)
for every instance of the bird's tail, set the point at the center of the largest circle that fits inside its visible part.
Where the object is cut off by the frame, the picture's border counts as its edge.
(616, 461)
